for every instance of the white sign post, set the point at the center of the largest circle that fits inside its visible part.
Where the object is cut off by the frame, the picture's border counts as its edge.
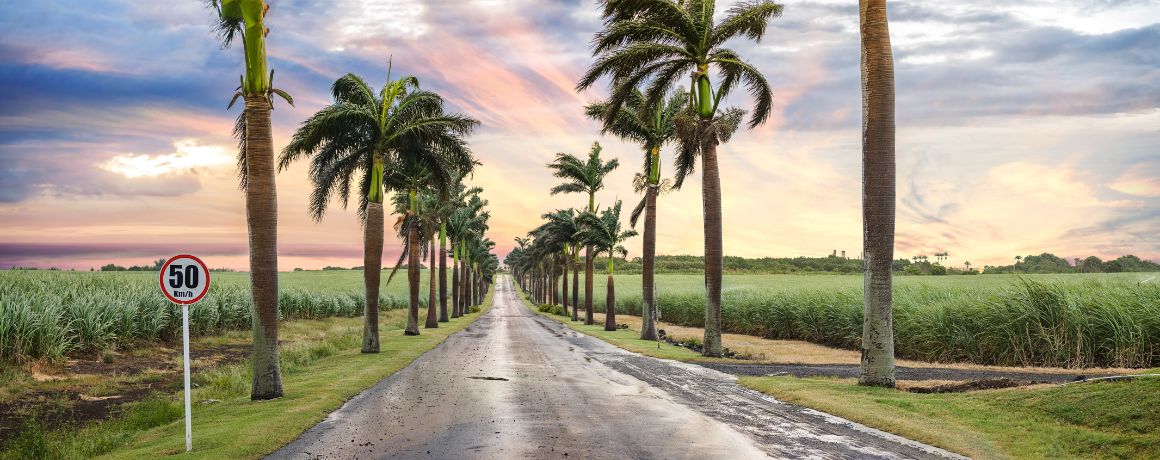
(185, 280)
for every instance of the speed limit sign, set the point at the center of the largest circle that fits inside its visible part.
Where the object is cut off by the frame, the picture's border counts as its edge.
(184, 279)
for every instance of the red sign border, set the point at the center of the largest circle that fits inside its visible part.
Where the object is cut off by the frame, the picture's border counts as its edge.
(161, 278)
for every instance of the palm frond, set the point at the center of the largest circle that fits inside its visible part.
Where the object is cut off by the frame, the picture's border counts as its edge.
(747, 18)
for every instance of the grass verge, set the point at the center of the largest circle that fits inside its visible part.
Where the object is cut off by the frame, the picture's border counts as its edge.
(322, 369)
(1091, 420)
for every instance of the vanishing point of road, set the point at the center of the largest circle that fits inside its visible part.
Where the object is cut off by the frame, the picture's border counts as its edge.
(518, 385)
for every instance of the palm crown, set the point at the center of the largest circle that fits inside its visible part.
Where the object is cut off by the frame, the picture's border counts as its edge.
(604, 231)
(398, 132)
(582, 176)
(660, 41)
(650, 126)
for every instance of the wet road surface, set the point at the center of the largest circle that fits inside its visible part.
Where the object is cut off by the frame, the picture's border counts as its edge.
(517, 385)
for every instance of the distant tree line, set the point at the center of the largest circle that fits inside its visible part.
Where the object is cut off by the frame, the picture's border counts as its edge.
(148, 268)
(1044, 263)
(1051, 263)
(734, 264)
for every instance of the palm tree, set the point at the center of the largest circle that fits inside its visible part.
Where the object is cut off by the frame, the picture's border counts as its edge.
(377, 137)
(660, 41)
(878, 185)
(415, 228)
(443, 211)
(604, 233)
(465, 221)
(480, 248)
(652, 127)
(583, 177)
(559, 231)
(246, 19)
(411, 178)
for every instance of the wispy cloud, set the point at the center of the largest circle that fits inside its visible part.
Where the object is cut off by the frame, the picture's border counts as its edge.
(1023, 127)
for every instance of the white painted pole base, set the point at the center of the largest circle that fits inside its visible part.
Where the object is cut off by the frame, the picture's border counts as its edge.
(185, 342)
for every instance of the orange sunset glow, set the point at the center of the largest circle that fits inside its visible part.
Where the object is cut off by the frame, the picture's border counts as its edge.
(1020, 131)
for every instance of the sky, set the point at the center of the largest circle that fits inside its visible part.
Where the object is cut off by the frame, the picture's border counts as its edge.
(1023, 127)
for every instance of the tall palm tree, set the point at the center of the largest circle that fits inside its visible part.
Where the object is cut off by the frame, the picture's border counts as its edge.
(878, 183)
(370, 137)
(583, 177)
(410, 177)
(604, 233)
(480, 250)
(415, 228)
(443, 211)
(466, 220)
(247, 19)
(487, 269)
(652, 127)
(559, 233)
(661, 41)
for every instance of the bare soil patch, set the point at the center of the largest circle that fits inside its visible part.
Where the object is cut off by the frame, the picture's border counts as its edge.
(87, 389)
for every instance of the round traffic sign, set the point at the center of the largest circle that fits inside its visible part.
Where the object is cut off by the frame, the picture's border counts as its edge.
(184, 279)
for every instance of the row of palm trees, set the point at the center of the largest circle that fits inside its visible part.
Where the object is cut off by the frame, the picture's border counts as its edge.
(646, 49)
(550, 250)
(398, 139)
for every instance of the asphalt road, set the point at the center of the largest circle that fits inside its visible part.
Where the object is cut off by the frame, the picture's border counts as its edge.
(518, 385)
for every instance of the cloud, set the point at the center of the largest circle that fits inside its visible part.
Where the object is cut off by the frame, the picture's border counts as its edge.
(189, 156)
(1019, 122)
(1142, 179)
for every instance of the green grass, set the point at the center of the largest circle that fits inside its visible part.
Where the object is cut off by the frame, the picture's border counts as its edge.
(48, 315)
(322, 369)
(1070, 320)
(1093, 420)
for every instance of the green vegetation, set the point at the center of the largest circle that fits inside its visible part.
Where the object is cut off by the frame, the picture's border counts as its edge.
(918, 265)
(1040, 320)
(322, 368)
(49, 314)
(1050, 263)
(1091, 420)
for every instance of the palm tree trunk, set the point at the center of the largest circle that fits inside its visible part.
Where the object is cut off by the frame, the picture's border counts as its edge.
(878, 190)
(442, 275)
(455, 288)
(588, 269)
(413, 262)
(432, 305)
(564, 290)
(262, 224)
(475, 286)
(575, 288)
(462, 287)
(555, 286)
(711, 200)
(610, 301)
(648, 330)
(372, 272)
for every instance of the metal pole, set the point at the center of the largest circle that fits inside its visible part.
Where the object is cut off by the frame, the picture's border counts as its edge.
(185, 342)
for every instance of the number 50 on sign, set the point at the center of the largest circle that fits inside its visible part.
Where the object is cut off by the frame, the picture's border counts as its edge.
(185, 280)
